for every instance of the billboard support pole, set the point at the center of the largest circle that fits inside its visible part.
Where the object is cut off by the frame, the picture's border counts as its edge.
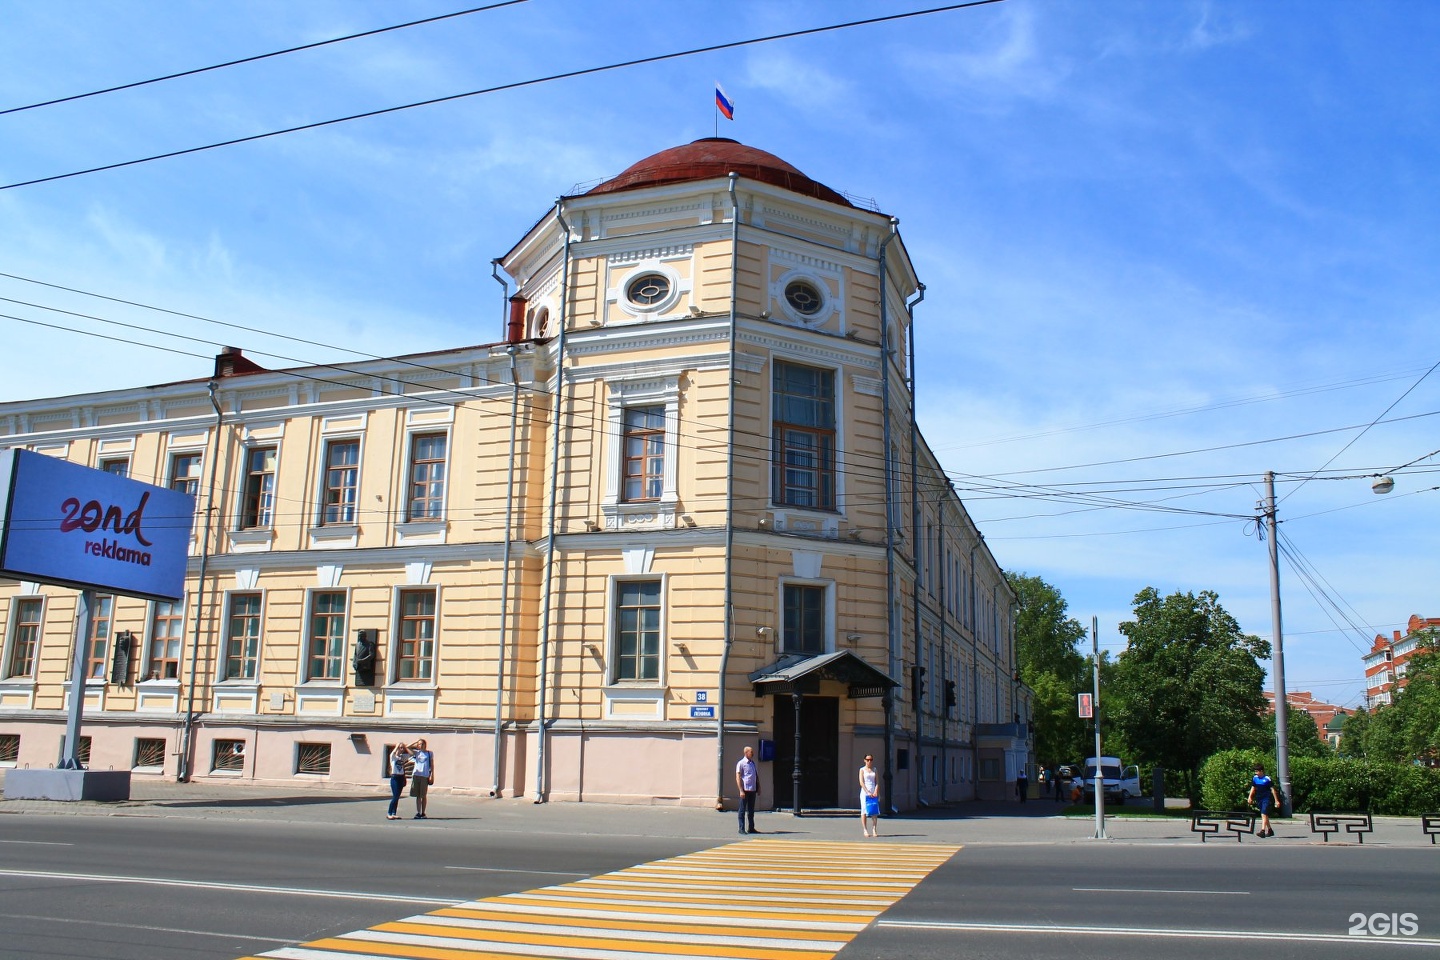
(85, 608)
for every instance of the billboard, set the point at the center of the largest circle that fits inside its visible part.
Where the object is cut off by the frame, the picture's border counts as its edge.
(76, 527)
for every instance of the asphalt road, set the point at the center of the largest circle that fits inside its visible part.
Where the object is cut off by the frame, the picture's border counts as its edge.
(160, 888)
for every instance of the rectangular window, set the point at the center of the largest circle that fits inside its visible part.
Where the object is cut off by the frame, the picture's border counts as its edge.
(427, 477)
(342, 481)
(242, 637)
(313, 758)
(228, 756)
(167, 631)
(257, 505)
(9, 749)
(185, 473)
(116, 466)
(25, 637)
(637, 630)
(97, 645)
(327, 636)
(804, 619)
(149, 753)
(804, 436)
(416, 642)
(644, 460)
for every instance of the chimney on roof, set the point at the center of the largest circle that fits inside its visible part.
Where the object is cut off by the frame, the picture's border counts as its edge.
(230, 361)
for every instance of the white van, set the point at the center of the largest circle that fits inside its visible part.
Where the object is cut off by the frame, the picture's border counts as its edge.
(1121, 782)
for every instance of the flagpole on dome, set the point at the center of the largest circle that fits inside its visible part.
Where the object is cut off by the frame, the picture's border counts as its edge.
(723, 104)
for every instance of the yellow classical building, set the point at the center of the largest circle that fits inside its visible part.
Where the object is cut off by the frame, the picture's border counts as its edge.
(680, 506)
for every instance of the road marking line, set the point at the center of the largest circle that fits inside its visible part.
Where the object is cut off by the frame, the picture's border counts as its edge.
(40, 843)
(802, 900)
(538, 873)
(145, 927)
(1210, 893)
(1292, 937)
(237, 887)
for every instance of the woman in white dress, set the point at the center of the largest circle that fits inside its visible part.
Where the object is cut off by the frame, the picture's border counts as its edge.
(870, 798)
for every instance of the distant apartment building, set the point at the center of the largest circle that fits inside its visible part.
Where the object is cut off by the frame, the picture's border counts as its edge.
(1386, 663)
(681, 505)
(1329, 718)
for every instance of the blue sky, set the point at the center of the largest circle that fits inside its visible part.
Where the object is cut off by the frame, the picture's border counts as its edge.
(1146, 229)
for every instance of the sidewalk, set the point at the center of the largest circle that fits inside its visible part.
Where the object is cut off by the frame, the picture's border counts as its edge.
(966, 822)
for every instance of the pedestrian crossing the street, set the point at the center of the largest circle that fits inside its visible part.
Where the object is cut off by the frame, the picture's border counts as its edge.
(753, 900)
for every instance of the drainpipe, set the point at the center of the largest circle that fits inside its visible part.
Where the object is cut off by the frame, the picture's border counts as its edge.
(729, 600)
(510, 349)
(543, 673)
(892, 635)
(974, 621)
(187, 733)
(915, 511)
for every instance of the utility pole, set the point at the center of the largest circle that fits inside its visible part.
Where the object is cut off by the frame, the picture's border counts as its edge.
(1282, 706)
(1099, 781)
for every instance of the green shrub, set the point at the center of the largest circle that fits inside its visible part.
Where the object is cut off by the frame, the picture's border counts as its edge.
(1328, 785)
(1225, 778)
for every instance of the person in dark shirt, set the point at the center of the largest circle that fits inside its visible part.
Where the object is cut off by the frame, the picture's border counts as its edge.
(1263, 795)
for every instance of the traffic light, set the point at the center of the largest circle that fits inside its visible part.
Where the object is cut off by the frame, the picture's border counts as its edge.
(917, 683)
(365, 652)
(950, 700)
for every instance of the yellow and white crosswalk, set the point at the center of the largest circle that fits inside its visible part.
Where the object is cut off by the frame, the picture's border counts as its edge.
(753, 900)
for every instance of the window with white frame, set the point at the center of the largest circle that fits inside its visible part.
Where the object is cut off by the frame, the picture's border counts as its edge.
(425, 497)
(803, 436)
(116, 466)
(342, 482)
(167, 631)
(257, 500)
(325, 659)
(803, 617)
(25, 622)
(185, 473)
(637, 630)
(643, 472)
(242, 637)
(415, 636)
(641, 484)
(97, 644)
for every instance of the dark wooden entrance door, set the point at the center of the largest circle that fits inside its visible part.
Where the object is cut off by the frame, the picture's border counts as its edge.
(819, 752)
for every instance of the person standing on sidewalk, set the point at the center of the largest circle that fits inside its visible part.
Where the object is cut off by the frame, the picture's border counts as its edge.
(421, 776)
(1262, 793)
(870, 798)
(747, 781)
(398, 757)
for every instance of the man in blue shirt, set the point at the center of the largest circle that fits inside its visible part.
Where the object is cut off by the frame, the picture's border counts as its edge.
(747, 780)
(1263, 795)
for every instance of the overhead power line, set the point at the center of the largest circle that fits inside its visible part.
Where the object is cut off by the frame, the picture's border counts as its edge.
(569, 74)
(257, 57)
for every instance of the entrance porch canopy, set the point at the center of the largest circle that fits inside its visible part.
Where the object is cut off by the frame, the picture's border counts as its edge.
(798, 673)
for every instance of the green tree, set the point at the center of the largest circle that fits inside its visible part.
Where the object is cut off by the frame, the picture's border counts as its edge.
(1046, 638)
(1189, 683)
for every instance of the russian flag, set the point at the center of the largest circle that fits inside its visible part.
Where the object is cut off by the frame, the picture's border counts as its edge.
(723, 103)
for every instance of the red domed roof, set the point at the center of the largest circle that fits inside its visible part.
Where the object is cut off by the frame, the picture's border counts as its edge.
(715, 157)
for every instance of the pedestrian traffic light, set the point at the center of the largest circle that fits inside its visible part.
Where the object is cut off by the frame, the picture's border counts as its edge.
(950, 700)
(365, 653)
(917, 683)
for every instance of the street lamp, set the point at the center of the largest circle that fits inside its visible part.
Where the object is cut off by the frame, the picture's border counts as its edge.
(1381, 484)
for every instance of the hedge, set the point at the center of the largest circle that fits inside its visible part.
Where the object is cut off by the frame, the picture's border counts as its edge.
(1330, 785)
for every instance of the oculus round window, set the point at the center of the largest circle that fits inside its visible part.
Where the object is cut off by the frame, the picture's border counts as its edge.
(803, 297)
(648, 290)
